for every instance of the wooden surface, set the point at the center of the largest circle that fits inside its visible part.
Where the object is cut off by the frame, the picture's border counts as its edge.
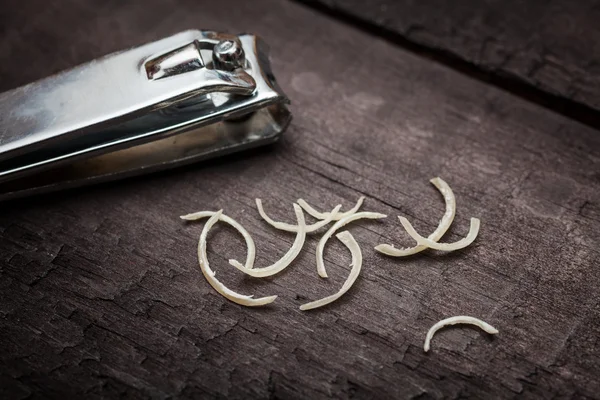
(101, 294)
(551, 45)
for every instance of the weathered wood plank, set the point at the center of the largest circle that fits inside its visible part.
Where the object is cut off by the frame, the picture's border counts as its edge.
(101, 294)
(551, 45)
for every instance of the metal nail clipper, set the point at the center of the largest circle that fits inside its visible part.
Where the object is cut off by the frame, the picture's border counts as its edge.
(189, 97)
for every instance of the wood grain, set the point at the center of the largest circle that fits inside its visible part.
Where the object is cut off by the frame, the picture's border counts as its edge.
(552, 45)
(101, 295)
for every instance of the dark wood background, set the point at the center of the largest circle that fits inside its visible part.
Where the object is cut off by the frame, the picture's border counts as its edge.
(549, 47)
(101, 294)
